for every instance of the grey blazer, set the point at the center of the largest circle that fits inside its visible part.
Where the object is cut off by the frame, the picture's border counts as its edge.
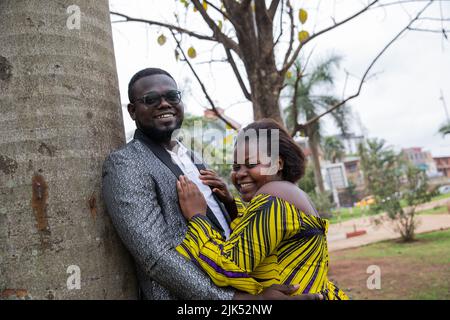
(139, 190)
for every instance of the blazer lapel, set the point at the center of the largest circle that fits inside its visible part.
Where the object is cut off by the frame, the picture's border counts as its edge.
(165, 158)
(201, 166)
(160, 152)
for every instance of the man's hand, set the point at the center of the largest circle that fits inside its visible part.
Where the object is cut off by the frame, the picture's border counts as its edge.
(278, 292)
(219, 187)
(192, 201)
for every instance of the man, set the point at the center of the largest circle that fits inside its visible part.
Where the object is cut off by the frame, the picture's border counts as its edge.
(139, 189)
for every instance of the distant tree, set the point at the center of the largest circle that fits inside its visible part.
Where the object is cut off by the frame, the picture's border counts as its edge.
(334, 149)
(322, 202)
(392, 180)
(445, 129)
(351, 191)
(208, 139)
(381, 173)
(307, 183)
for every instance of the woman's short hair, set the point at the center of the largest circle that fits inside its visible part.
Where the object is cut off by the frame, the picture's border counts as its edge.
(294, 160)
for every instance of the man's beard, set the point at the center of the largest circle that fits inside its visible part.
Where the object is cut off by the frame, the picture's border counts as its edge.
(159, 135)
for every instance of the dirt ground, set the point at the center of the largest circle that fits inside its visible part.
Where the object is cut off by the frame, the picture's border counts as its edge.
(401, 278)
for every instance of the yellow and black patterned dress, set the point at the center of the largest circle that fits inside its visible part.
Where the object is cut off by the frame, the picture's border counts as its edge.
(272, 242)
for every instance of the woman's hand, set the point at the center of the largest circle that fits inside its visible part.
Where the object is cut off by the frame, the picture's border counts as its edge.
(192, 201)
(219, 187)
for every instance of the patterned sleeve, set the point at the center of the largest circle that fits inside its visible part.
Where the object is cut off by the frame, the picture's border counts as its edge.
(269, 221)
(241, 209)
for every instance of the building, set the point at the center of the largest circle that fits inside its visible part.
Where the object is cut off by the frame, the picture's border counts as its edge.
(334, 176)
(353, 171)
(422, 160)
(443, 165)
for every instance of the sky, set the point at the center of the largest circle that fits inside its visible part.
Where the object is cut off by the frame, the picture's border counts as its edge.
(400, 102)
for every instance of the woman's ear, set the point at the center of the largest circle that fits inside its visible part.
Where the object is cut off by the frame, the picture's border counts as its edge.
(131, 110)
(280, 164)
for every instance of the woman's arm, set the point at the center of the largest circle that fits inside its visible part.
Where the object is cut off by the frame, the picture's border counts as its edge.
(230, 262)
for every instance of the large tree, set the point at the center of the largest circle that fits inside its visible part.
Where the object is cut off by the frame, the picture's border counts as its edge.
(262, 39)
(60, 117)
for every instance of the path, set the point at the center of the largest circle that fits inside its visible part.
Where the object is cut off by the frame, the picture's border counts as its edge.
(337, 232)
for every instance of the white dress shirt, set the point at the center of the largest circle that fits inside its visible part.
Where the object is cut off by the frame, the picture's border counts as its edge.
(180, 156)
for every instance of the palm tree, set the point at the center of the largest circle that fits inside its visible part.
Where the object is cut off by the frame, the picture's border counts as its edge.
(60, 117)
(334, 149)
(445, 129)
(308, 103)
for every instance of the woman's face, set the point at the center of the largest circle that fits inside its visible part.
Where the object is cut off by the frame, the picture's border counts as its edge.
(249, 174)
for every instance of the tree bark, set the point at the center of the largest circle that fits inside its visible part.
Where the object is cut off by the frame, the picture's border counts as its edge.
(60, 117)
(314, 146)
(265, 95)
(255, 34)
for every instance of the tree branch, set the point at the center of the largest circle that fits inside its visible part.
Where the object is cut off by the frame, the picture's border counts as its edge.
(213, 106)
(165, 25)
(291, 39)
(281, 27)
(297, 51)
(316, 118)
(218, 10)
(217, 33)
(238, 75)
(294, 98)
(443, 31)
(273, 8)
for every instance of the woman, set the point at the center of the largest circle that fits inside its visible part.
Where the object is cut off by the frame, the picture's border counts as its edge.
(278, 238)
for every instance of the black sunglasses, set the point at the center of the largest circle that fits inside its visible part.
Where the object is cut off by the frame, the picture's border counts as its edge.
(153, 99)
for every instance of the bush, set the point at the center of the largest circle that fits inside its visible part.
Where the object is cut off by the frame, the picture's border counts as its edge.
(323, 204)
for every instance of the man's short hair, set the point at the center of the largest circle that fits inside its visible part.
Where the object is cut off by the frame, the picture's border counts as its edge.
(142, 74)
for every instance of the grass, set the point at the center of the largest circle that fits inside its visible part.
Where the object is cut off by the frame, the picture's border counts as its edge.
(435, 210)
(345, 214)
(416, 270)
(441, 196)
(427, 245)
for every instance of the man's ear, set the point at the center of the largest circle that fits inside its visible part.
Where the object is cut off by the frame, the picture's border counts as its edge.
(131, 110)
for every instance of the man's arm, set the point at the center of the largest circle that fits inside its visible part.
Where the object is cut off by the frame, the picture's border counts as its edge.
(131, 201)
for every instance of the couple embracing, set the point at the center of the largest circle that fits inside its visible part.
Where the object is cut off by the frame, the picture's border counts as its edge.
(189, 237)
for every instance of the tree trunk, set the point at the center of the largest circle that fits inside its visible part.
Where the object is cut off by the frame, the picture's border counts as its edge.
(265, 96)
(60, 117)
(255, 34)
(313, 145)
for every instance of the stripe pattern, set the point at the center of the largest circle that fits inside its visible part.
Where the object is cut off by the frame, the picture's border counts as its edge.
(272, 242)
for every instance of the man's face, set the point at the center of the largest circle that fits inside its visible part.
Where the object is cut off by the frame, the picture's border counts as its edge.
(160, 120)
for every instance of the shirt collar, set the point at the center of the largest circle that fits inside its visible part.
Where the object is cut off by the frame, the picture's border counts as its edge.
(181, 150)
